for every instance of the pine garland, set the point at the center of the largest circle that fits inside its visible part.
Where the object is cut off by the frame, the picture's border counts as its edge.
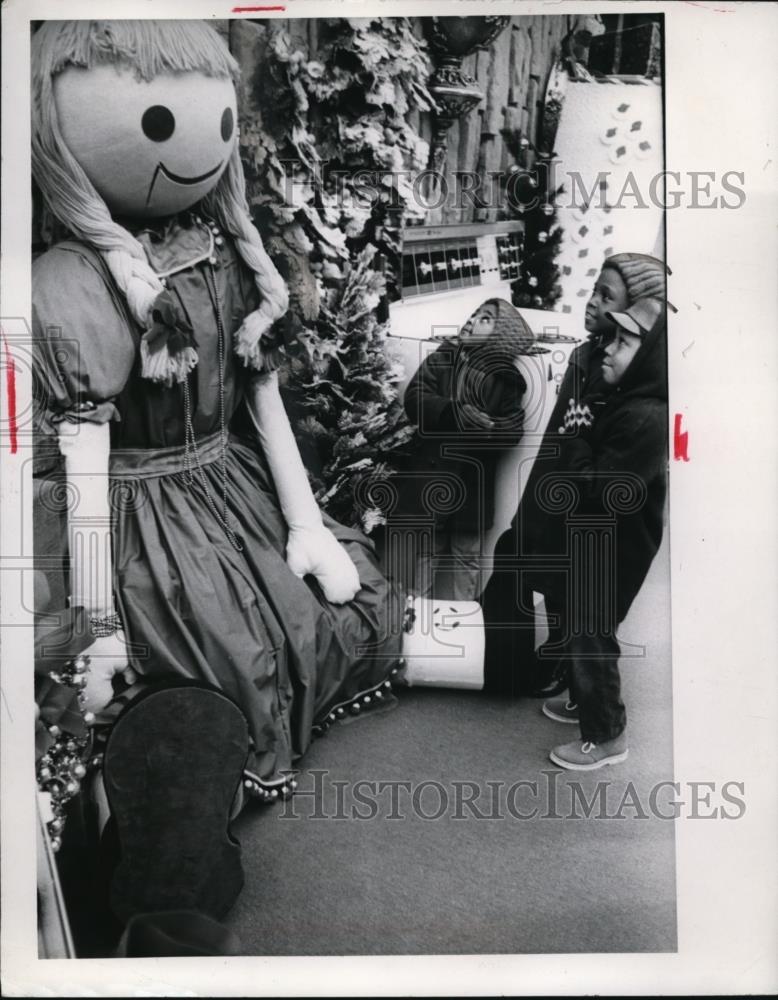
(330, 160)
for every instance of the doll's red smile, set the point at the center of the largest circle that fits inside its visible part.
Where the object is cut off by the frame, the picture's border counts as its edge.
(177, 178)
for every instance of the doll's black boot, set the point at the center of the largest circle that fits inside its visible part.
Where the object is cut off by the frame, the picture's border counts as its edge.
(173, 763)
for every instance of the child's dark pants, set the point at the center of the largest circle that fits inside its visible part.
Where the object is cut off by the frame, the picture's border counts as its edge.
(595, 686)
(584, 644)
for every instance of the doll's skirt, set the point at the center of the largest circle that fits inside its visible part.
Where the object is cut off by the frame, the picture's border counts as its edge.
(197, 607)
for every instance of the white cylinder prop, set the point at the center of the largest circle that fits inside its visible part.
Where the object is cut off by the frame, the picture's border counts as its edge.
(445, 645)
(611, 153)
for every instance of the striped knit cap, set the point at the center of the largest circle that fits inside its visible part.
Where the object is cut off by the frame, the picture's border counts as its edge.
(643, 275)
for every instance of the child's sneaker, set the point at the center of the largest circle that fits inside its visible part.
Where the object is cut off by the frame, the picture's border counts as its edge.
(561, 710)
(586, 756)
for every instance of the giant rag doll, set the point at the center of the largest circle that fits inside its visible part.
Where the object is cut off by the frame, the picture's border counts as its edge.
(208, 574)
(195, 546)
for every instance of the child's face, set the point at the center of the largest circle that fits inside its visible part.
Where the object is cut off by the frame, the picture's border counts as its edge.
(483, 323)
(618, 355)
(609, 295)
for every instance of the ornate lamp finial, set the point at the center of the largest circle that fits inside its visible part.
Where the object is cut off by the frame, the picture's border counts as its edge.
(455, 92)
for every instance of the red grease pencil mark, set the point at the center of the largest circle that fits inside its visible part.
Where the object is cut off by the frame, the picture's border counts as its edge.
(680, 441)
(254, 10)
(10, 388)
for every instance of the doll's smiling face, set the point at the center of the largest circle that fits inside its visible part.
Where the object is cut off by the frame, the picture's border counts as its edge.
(150, 148)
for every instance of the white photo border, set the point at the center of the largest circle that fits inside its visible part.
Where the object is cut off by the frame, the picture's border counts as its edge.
(721, 113)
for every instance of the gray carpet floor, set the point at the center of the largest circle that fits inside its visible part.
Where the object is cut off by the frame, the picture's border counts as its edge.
(320, 881)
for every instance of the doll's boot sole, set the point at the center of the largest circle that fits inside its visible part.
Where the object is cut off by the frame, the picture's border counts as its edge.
(172, 766)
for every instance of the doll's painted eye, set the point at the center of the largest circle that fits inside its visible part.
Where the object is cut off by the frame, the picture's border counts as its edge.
(158, 123)
(227, 124)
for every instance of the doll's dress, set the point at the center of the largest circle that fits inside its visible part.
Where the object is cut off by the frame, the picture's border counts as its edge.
(193, 604)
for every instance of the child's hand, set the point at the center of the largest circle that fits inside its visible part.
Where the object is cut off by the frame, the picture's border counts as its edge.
(473, 417)
(316, 551)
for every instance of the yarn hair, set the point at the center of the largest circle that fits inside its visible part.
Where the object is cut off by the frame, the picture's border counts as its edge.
(148, 48)
(228, 206)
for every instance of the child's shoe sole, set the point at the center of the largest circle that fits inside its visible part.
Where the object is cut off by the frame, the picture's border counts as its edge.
(570, 766)
(172, 765)
(584, 756)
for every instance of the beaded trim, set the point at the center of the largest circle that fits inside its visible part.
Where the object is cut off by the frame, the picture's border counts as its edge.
(283, 788)
(60, 770)
(270, 791)
(364, 700)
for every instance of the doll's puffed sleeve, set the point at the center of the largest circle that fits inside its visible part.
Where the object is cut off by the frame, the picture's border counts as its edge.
(84, 352)
(83, 341)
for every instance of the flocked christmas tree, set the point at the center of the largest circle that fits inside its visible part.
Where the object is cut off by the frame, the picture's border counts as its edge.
(330, 158)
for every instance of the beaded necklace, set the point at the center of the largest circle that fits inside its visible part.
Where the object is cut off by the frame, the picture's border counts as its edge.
(191, 454)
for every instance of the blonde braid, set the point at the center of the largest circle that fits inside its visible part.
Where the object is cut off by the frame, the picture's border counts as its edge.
(136, 280)
(227, 203)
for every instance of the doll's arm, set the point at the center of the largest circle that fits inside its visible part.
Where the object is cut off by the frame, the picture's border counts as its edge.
(311, 548)
(86, 448)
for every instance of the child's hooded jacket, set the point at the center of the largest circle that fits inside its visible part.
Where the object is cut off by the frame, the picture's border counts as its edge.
(611, 473)
(446, 448)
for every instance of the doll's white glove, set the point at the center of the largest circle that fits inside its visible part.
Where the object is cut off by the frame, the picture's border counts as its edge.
(311, 547)
(108, 657)
(317, 551)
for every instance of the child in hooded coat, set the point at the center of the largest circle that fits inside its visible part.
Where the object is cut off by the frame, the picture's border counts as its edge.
(604, 502)
(512, 665)
(466, 400)
(619, 464)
